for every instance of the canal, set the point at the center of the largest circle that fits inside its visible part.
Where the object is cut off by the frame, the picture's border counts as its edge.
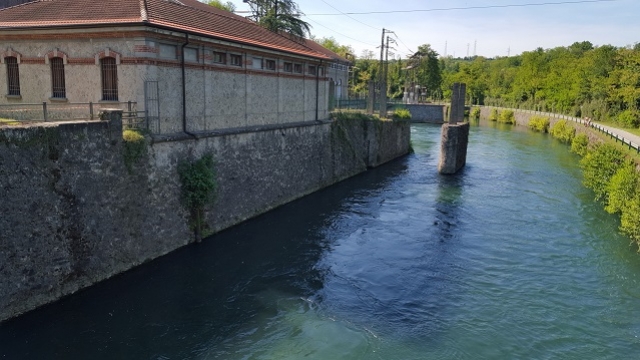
(511, 259)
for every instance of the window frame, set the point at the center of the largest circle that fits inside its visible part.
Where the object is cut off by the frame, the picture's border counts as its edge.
(312, 70)
(221, 56)
(269, 64)
(13, 76)
(58, 87)
(109, 78)
(287, 67)
(297, 68)
(235, 60)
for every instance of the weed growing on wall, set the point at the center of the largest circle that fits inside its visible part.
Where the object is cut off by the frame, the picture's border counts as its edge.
(198, 181)
(580, 144)
(562, 131)
(135, 146)
(353, 115)
(598, 166)
(475, 112)
(539, 124)
(402, 114)
(493, 115)
(507, 117)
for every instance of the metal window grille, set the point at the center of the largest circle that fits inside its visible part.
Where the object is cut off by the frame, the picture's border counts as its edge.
(13, 75)
(109, 79)
(57, 78)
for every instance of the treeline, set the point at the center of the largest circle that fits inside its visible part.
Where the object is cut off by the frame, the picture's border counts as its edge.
(581, 80)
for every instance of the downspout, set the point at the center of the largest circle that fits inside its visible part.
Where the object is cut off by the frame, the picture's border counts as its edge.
(318, 88)
(184, 91)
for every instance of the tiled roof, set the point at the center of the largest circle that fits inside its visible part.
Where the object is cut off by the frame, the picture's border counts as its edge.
(183, 15)
(321, 49)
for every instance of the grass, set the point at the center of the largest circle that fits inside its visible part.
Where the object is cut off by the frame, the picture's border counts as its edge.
(4, 121)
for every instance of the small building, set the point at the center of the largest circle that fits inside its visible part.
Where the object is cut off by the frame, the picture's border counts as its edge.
(337, 72)
(188, 66)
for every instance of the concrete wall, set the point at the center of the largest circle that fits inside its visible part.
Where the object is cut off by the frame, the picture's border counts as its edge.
(453, 147)
(426, 113)
(72, 214)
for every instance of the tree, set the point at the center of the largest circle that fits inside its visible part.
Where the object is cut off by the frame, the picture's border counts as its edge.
(333, 45)
(279, 16)
(427, 69)
(228, 6)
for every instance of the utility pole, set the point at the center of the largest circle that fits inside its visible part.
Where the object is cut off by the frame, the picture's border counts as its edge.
(445, 49)
(382, 81)
(383, 103)
(475, 44)
(468, 49)
(509, 51)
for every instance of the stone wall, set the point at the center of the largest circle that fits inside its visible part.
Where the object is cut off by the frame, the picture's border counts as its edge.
(453, 147)
(73, 215)
(426, 113)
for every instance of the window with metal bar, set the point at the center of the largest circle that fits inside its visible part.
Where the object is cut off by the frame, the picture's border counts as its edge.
(57, 78)
(13, 76)
(109, 79)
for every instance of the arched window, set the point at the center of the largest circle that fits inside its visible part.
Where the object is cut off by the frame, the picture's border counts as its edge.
(109, 79)
(58, 89)
(13, 76)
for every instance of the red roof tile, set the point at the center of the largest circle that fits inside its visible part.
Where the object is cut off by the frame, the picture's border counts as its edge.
(186, 15)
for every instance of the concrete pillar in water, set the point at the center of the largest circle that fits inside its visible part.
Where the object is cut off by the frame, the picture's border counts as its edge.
(455, 135)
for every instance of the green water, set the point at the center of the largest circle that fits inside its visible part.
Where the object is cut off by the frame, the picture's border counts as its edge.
(511, 259)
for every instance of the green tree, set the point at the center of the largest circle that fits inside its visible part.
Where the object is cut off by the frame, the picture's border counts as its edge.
(426, 69)
(332, 44)
(279, 16)
(228, 6)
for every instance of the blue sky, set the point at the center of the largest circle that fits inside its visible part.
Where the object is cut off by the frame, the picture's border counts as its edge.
(495, 31)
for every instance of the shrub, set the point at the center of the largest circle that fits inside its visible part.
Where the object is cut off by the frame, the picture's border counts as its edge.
(599, 166)
(134, 147)
(352, 115)
(630, 219)
(402, 114)
(622, 188)
(580, 144)
(198, 180)
(507, 117)
(493, 116)
(629, 118)
(539, 124)
(475, 112)
(563, 131)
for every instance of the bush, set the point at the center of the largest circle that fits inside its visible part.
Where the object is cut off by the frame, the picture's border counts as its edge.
(507, 117)
(352, 115)
(475, 112)
(563, 131)
(622, 188)
(580, 144)
(539, 124)
(599, 166)
(493, 116)
(198, 183)
(402, 114)
(629, 118)
(630, 219)
(134, 147)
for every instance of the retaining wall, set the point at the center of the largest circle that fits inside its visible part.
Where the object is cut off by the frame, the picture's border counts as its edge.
(73, 215)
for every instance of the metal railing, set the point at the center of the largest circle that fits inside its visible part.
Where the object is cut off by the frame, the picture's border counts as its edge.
(43, 112)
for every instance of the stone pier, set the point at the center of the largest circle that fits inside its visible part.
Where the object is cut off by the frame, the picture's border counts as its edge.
(455, 135)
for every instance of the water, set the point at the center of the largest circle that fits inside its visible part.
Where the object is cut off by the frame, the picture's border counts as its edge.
(509, 260)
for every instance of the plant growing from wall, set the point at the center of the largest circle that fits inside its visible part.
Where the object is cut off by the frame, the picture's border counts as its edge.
(135, 147)
(402, 114)
(507, 117)
(493, 115)
(475, 112)
(599, 166)
(198, 181)
(539, 124)
(563, 131)
(580, 144)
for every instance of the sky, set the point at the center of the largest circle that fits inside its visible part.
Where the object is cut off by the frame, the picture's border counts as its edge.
(459, 28)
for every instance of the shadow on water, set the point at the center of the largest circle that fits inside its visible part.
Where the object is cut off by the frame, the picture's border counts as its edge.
(178, 305)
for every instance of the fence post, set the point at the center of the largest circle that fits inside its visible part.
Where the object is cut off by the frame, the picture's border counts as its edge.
(129, 106)
(91, 109)
(44, 111)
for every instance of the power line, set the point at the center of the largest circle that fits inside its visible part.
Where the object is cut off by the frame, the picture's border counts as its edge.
(348, 37)
(351, 17)
(466, 8)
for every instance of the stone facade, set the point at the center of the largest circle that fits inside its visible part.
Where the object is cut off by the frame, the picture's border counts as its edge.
(73, 215)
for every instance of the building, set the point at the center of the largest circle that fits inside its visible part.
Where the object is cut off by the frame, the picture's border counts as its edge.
(337, 71)
(189, 66)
